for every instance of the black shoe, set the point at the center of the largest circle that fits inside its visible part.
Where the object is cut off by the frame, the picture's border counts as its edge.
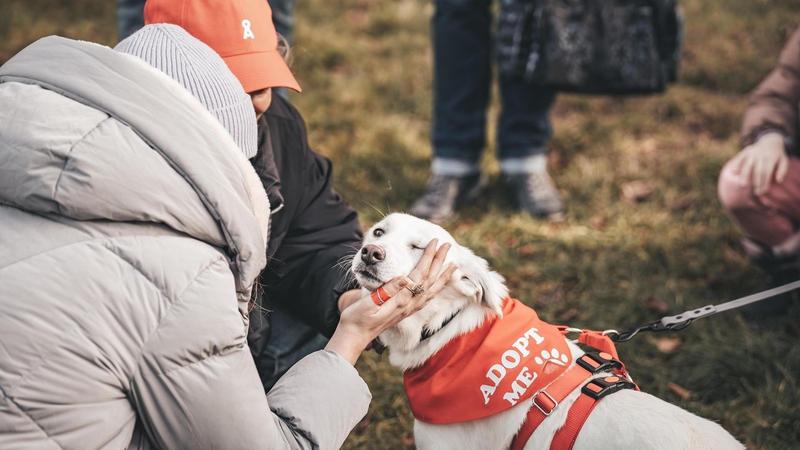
(444, 194)
(537, 195)
(780, 271)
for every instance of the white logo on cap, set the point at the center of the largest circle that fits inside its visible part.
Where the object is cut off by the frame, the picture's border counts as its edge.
(248, 33)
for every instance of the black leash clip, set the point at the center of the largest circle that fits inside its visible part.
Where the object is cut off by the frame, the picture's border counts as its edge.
(669, 323)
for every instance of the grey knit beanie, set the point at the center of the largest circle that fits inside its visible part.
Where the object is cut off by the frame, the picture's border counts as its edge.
(198, 68)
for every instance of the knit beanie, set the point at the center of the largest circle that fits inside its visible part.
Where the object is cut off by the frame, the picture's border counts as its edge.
(199, 69)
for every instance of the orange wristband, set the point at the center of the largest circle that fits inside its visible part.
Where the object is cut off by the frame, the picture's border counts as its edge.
(380, 296)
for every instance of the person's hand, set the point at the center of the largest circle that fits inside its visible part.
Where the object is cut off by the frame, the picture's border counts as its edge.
(348, 298)
(363, 320)
(762, 162)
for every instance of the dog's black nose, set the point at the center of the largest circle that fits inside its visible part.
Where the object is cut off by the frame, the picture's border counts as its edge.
(371, 254)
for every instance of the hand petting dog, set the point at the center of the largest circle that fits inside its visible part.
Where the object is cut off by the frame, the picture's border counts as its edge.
(363, 320)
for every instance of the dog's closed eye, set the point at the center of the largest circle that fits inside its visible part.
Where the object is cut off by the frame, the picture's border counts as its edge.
(417, 247)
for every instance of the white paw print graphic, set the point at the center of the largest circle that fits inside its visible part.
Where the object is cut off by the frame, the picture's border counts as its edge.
(553, 356)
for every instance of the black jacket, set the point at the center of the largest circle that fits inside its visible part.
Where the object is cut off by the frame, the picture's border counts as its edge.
(311, 227)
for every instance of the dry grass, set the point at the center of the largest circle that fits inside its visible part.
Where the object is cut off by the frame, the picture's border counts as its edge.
(366, 69)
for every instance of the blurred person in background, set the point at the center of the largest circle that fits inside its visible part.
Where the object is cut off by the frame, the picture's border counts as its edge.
(760, 187)
(463, 49)
(132, 240)
(312, 228)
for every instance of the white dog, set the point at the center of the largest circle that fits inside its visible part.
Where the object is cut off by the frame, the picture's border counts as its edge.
(627, 419)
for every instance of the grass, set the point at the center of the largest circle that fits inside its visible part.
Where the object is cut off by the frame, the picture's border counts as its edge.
(366, 69)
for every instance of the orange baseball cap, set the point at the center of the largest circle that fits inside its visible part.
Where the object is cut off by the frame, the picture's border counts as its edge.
(240, 31)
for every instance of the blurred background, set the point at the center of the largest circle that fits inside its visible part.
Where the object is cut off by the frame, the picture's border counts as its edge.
(644, 236)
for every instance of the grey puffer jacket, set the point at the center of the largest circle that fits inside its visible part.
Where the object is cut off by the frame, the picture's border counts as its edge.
(129, 222)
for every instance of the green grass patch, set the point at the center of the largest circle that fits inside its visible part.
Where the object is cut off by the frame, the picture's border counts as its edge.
(365, 66)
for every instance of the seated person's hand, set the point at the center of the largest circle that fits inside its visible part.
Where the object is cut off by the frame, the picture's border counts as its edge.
(763, 161)
(362, 320)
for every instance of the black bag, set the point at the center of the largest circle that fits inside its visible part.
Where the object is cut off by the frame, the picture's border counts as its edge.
(591, 46)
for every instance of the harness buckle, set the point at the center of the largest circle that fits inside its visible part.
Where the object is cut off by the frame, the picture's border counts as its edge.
(541, 407)
(598, 388)
(596, 362)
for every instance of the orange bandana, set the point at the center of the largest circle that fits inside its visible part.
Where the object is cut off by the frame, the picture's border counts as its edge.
(488, 370)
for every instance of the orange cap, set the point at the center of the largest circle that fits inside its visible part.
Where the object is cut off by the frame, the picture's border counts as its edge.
(241, 31)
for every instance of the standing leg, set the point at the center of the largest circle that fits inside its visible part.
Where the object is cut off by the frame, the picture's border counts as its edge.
(283, 19)
(462, 77)
(523, 131)
(130, 17)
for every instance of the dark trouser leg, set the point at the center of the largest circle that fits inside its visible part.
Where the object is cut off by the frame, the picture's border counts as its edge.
(290, 341)
(130, 17)
(522, 135)
(462, 75)
(524, 125)
(283, 17)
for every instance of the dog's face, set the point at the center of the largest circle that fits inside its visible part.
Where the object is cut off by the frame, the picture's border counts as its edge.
(393, 246)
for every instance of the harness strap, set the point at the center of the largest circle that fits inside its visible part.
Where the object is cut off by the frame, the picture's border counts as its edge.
(566, 436)
(546, 400)
(580, 374)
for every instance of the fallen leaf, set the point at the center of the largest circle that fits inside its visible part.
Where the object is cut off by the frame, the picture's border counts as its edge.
(598, 222)
(526, 250)
(656, 304)
(568, 315)
(637, 191)
(682, 203)
(680, 391)
(668, 344)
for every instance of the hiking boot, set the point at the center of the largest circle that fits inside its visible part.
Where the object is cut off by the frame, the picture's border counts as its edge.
(444, 194)
(536, 194)
(780, 270)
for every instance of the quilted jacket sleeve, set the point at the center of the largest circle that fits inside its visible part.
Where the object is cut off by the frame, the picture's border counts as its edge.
(774, 103)
(197, 386)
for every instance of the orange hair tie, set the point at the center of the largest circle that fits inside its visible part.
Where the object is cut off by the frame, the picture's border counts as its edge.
(380, 296)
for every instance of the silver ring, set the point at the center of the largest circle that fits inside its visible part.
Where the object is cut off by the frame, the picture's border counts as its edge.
(416, 290)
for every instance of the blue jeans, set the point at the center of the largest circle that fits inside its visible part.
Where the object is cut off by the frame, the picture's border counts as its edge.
(463, 50)
(290, 340)
(130, 17)
(283, 17)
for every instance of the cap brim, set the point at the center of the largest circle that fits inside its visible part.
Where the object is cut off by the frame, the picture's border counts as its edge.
(262, 70)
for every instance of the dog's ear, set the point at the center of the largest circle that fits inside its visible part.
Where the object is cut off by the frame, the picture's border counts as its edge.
(474, 278)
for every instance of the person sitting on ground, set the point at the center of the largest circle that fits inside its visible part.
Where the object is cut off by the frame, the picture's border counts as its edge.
(134, 229)
(760, 187)
(313, 228)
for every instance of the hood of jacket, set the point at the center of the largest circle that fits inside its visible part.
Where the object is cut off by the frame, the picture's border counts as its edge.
(155, 154)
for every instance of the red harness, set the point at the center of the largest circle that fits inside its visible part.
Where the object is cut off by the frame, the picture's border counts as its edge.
(604, 359)
(508, 360)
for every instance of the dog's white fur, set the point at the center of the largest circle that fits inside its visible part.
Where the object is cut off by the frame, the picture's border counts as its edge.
(627, 419)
